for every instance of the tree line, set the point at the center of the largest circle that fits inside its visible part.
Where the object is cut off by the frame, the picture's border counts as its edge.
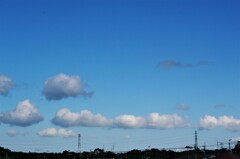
(133, 154)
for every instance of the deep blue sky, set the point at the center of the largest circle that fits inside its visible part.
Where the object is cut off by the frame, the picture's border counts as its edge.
(155, 71)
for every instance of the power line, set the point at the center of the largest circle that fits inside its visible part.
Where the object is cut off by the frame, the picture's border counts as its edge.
(124, 144)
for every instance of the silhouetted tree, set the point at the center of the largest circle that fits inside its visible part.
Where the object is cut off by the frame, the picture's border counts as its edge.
(134, 154)
(237, 148)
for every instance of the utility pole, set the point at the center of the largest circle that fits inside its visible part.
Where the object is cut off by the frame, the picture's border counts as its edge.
(79, 145)
(221, 143)
(204, 148)
(195, 145)
(113, 148)
(196, 141)
(229, 144)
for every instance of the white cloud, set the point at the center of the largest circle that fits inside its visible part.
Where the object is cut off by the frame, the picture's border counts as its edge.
(208, 122)
(66, 133)
(129, 121)
(52, 132)
(6, 84)
(11, 133)
(64, 117)
(155, 120)
(226, 122)
(63, 86)
(229, 122)
(25, 114)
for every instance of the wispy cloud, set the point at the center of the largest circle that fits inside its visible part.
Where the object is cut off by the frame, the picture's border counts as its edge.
(219, 106)
(63, 86)
(183, 107)
(66, 118)
(11, 133)
(169, 64)
(25, 114)
(236, 139)
(6, 84)
(226, 122)
(52, 132)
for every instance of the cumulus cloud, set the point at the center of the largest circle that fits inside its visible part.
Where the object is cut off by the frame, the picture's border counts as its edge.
(63, 86)
(168, 64)
(66, 118)
(25, 114)
(129, 121)
(157, 121)
(208, 122)
(226, 122)
(11, 133)
(154, 121)
(52, 132)
(6, 84)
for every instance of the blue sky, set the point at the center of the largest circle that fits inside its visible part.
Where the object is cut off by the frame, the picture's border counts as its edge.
(131, 73)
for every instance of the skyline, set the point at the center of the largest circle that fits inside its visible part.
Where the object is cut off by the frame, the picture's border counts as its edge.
(132, 74)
